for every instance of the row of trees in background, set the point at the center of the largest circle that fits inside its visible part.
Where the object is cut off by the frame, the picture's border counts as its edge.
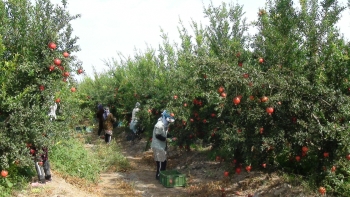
(277, 99)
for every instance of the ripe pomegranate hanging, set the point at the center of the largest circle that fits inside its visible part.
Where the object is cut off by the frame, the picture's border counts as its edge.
(305, 149)
(325, 154)
(248, 168)
(41, 88)
(60, 67)
(226, 174)
(238, 170)
(236, 100)
(264, 99)
(80, 71)
(52, 45)
(261, 60)
(269, 110)
(51, 68)
(348, 156)
(322, 190)
(57, 62)
(65, 54)
(66, 74)
(221, 89)
(4, 173)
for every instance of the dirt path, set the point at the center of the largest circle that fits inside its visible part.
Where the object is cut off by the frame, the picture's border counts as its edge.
(142, 176)
(204, 178)
(58, 187)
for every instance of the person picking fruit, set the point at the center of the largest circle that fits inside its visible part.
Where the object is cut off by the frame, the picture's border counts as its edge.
(159, 141)
(109, 119)
(134, 124)
(42, 164)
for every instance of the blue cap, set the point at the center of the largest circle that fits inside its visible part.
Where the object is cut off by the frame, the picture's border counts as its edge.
(167, 116)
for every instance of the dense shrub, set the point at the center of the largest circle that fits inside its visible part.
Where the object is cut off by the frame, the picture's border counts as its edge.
(297, 60)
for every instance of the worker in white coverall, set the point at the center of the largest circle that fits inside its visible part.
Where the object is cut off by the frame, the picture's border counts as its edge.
(134, 118)
(52, 112)
(159, 141)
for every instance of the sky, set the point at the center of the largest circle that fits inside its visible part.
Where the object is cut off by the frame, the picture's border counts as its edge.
(107, 27)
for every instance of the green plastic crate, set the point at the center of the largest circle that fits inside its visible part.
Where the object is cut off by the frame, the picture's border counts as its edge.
(172, 178)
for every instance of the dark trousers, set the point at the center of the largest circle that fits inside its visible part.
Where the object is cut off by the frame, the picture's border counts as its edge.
(108, 138)
(161, 166)
(44, 172)
(100, 128)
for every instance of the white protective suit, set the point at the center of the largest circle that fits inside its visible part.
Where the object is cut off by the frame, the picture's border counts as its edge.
(159, 140)
(134, 118)
(161, 128)
(52, 112)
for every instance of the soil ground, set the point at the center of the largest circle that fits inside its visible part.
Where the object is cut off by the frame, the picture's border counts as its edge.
(203, 177)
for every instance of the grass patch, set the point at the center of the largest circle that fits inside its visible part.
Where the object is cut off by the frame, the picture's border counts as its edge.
(70, 157)
(110, 156)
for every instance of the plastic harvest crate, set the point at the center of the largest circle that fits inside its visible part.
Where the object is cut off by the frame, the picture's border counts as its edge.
(172, 178)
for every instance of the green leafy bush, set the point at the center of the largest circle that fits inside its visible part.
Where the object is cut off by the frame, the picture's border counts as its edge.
(18, 178)
(32, 79)
(297, 60)
(28, 84)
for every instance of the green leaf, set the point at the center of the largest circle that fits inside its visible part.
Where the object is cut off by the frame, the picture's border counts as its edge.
(9, 184)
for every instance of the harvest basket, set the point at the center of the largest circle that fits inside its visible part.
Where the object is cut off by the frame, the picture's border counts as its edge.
(172, 178)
